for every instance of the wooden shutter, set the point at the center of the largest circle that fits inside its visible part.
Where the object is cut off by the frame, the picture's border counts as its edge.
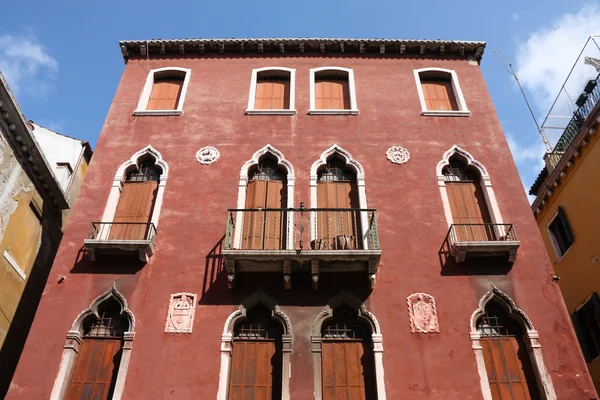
(254, 366)
(347, 371)
(337, 229)
(468, 206)
(586, 348)
(95, 369)
(508, 368)
(263, 229)
(332, 94)
(438, 94)
(165, 94)
(135, 207)
(272, 95)
(569, 238)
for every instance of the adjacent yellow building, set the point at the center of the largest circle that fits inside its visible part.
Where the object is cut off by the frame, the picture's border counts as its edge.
(567, 210)
(40, 174)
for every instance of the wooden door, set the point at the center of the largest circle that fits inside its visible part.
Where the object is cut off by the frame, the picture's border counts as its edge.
(347, 370)
(332, 94)
(264, 229)
(255, 370)
(508, 368)
(272, 94)
(337, 229)
(469, 210)
(439, 94)
(134, 211)
(95, 370)
(165, 94)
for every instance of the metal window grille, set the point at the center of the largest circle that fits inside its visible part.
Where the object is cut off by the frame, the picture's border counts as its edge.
(146, 172)
(336, 171)
(457, 171)
(267, 171)
(169, 78)
(494, 323)
(252, 331)
(108, 325)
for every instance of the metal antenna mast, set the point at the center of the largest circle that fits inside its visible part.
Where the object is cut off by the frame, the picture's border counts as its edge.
(508, 66)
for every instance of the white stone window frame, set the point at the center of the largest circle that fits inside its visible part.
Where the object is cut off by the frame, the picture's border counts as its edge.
(75, 337)
(242, 189)
(117, 187)
(147, 91)
(252, 96)
(462, 111)
(351, 89)
(347, 298)
(531, 339)
(259, 297)
(360, 183)
(555, 246)
(13, 263)
(485, 182)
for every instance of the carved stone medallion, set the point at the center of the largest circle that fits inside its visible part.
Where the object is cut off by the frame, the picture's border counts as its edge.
(181, 313)
(422, 313)
(207, 155)
(397, 154)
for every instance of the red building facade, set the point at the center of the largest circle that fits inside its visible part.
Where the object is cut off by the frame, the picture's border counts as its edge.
(302, 219)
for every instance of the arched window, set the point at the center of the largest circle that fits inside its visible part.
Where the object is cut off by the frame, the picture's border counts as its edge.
(97, 351)
(265, 229)
(255, 351)
(256, 356)
(332, 91)
(266, 181)
(470, 214)
(338, 223)
(439, 92)
(508, 352)
(348, 351)
(164, 92)
(272, 91)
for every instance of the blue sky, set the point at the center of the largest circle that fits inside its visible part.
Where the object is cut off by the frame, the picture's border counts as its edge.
(62, 59)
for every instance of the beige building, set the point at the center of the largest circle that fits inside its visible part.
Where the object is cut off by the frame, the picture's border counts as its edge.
(40, 174)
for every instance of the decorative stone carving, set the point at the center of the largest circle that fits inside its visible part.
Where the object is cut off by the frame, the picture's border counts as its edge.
(397, 154)
(422, 313)
(207, 155)
(181, 313)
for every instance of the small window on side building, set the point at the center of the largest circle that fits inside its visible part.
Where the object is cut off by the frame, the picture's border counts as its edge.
(586, 321)
(560, 233)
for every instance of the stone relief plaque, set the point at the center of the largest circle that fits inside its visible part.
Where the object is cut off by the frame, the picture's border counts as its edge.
(397, 155)
(180, 318)
(422, 313)
(207, 155)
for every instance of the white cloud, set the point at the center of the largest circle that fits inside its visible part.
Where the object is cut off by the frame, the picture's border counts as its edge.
(26, 65)
(515, 16)
(544, 60)
(528, 157)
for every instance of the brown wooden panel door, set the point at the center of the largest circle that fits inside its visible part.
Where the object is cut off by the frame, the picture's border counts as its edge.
(95, 370)
(272, 94)
(509, 369)
(332, 95)
(347, 370)
(254, 366)
(468, 206)
(134, 211)
(165, 95)
(337, 229)
(439, 94)
(263, 229)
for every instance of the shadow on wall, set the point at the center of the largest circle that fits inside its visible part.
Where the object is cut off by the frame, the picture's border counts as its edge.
(216, 292)
(488, 265)
(23, 318)
(106, 264)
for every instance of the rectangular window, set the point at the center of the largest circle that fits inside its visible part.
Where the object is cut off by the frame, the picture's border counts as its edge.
(332, 93)
(64, 171)
(165, 92)
(560, 233)
(586, 321)
(439, 94)
(272, 93)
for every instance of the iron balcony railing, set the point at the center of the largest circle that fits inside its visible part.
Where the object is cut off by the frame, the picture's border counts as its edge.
(586, 103)
(302, 229)
(122, 231)
(482, 233)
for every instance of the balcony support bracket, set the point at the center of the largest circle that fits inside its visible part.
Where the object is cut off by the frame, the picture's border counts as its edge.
(230, 267)
(372, 271)
(314, 271)
(287, 274)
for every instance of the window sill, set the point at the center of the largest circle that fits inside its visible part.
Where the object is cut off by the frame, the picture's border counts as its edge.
(13, 263)
(444, 113)
(157, 112)
(333, 112)
(270, 112)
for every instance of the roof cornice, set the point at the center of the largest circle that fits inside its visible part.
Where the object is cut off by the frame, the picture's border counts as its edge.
(27, 149)
(341, 46)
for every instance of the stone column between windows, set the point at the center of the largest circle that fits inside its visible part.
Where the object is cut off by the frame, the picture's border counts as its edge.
(67, 362)
(534, 349)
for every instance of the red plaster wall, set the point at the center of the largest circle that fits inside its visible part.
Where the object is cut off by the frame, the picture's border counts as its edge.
(411, 219)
